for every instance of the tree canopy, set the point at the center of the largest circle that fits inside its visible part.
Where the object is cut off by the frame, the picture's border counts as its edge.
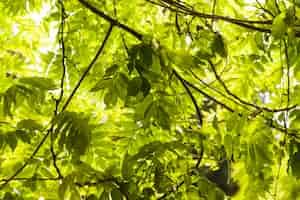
(149, 99)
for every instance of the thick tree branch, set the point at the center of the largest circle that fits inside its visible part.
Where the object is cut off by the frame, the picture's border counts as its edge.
(183, 9)
(174, 6)
(111, 20)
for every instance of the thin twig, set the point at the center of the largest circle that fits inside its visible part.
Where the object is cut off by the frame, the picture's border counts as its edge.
(63, 60)
(199, 115)
(190, 11)
(213, 10)
(6, 181)
(249, 24)
(177, 24)
(241, 100)
(208, 85)
(88, 68)
(171, 191)
(62, 80)
(213, 16)
(264, 9)
(200, 155)
(209, 96)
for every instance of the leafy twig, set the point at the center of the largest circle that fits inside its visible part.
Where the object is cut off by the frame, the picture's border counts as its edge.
(63, 108)
(241, 100)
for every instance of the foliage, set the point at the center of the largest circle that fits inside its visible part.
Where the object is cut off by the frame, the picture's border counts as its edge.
(149, 99)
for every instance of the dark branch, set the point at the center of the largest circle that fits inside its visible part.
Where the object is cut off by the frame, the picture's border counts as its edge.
(199, 115)
(111, 20)
(208, 85)
(32, 179)
(88, 68)
(59, 100)
(183, 9)
(241, 100)
(209, 96)
(174, 6)
(6, 181)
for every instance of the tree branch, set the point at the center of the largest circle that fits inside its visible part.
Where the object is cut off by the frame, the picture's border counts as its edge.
(241, 100)
(174, 6)
(111, 20)
(249, 24)
(6, 181)
(88, 68)
(199, 115)
(59, 100)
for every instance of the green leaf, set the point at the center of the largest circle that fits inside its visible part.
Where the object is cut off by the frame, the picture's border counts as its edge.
(163, 118)
(110, 98)
(148, 192)
(126, 167)
(2, 140)
(29, 124)
(120, 85)
(23, 135)
(228, 143)
(145, 86)
(12, 141)
(294, 163)
(116, 195)
(111, 70)
(134, 86)
(146, 55)
(9, 196)
(105, 196)
(75, 195)
(74, 131)
(39, 82)
(102, 84)
(218, 45)
(62, 189)
(279, 26)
